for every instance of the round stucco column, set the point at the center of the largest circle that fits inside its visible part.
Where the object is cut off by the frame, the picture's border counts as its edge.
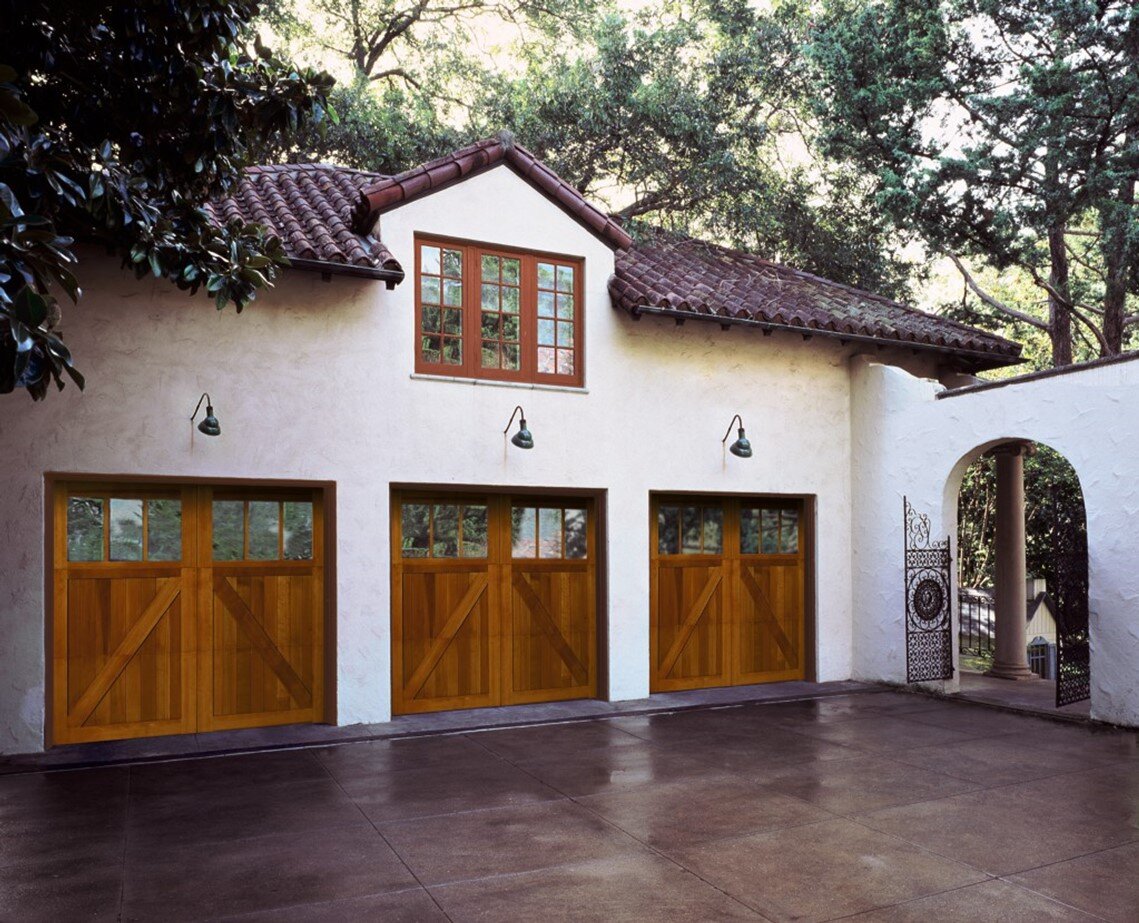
(1010, 661)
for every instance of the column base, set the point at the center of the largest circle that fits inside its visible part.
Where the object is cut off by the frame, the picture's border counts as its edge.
(1013, 671)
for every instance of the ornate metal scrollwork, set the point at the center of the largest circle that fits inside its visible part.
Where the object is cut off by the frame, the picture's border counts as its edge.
(929, 644)
(1069, 590)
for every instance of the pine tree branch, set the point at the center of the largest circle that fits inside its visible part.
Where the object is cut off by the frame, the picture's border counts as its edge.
(993, 302)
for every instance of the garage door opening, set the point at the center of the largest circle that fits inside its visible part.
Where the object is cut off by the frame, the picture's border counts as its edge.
(180, 608)
(494, 600)
(729, 590)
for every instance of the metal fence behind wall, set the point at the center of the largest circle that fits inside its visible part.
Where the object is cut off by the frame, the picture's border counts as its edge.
(977, 622)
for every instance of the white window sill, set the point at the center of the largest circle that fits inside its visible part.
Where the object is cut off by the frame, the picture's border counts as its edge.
(486, 382)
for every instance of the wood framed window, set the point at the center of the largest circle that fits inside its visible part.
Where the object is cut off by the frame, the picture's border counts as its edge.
(499, 314)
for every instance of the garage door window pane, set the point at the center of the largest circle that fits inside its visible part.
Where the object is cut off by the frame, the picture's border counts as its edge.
(691, 529)
(126, 529)
(84, 529)
(769, 532)
(713, 530)
(576, 542)
(229, 525)
(749, 531)
(668, 530)
(264, 525)
(415, 527)
(789, 532)
(549, 533)
(524, 532)
(298, 531)
(445, 531)
(163, 530)
(474, 532)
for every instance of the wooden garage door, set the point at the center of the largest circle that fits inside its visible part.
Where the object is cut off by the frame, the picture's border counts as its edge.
(727, 591)
(182, 609)
(493, 601)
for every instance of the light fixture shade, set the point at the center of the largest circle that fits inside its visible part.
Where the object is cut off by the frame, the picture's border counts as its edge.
(210, 425)
(523, 439)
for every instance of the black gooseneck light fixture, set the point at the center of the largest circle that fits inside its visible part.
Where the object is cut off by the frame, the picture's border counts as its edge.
(209, 425)
(522, 438)
(741, 447)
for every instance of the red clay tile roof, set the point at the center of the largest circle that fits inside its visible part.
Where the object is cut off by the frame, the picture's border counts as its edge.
(686, 278)
(325, 216)
(310, 207)
(391, 191)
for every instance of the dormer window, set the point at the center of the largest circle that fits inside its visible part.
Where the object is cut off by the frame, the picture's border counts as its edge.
(504, 315)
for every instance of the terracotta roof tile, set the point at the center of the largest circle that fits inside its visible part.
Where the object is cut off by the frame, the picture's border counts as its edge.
(326, 216)
(310, 207)
(691, 278)
(391, 191)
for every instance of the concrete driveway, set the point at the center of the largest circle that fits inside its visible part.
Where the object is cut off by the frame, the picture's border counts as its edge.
(877, 806)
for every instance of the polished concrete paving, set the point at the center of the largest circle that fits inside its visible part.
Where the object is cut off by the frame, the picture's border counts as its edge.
(248, 740)
(878, 806)
(1037, 696)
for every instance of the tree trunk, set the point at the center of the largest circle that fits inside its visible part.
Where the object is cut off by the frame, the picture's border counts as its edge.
(1059, 299)
(1115, 223)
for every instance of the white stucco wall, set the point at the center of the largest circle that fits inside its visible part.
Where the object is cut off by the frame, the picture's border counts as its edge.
(908, 443)
(315, 381)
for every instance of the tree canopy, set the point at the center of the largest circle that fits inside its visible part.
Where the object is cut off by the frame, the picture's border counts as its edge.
(117, 123)
(688, 114)
(1001, 130)
(857, 139)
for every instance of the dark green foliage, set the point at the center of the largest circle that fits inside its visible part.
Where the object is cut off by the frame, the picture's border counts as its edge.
(1004, 130)
(1054, 505)
(683, 117)
(383, 130)
(117, 122)
(689, 115)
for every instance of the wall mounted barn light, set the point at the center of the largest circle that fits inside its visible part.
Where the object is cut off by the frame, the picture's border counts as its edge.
(741, 446)
(522, 438)
(209, 425)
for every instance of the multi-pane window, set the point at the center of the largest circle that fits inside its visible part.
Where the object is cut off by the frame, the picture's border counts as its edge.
(262, 530)
(690, 529)
(112, 528)
(767, 530)
(548, 532)
(485, 312)
(441, 300)
(501, 311)
(444, 530)
(555, 319)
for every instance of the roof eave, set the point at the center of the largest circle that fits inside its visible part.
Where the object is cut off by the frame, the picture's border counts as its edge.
(972, 360)
(390, 275)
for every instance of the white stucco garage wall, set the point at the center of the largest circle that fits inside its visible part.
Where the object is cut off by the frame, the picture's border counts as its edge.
(314, 381)
(909, 443)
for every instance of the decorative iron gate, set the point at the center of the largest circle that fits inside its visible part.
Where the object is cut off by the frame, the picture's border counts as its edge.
(1069, 591)
(929, 642)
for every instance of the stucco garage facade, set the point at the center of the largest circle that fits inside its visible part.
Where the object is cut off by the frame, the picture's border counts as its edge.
(315, 383)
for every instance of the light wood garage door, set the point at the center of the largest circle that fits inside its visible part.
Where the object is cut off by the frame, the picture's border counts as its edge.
(185, 608)
(727, 591)
(493, 601)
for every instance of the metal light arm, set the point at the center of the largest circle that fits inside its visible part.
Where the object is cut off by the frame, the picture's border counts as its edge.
(517, 411)
(209, 404)
(730, 425)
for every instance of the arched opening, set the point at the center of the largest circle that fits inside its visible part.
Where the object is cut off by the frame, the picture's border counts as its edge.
(1022, 577)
